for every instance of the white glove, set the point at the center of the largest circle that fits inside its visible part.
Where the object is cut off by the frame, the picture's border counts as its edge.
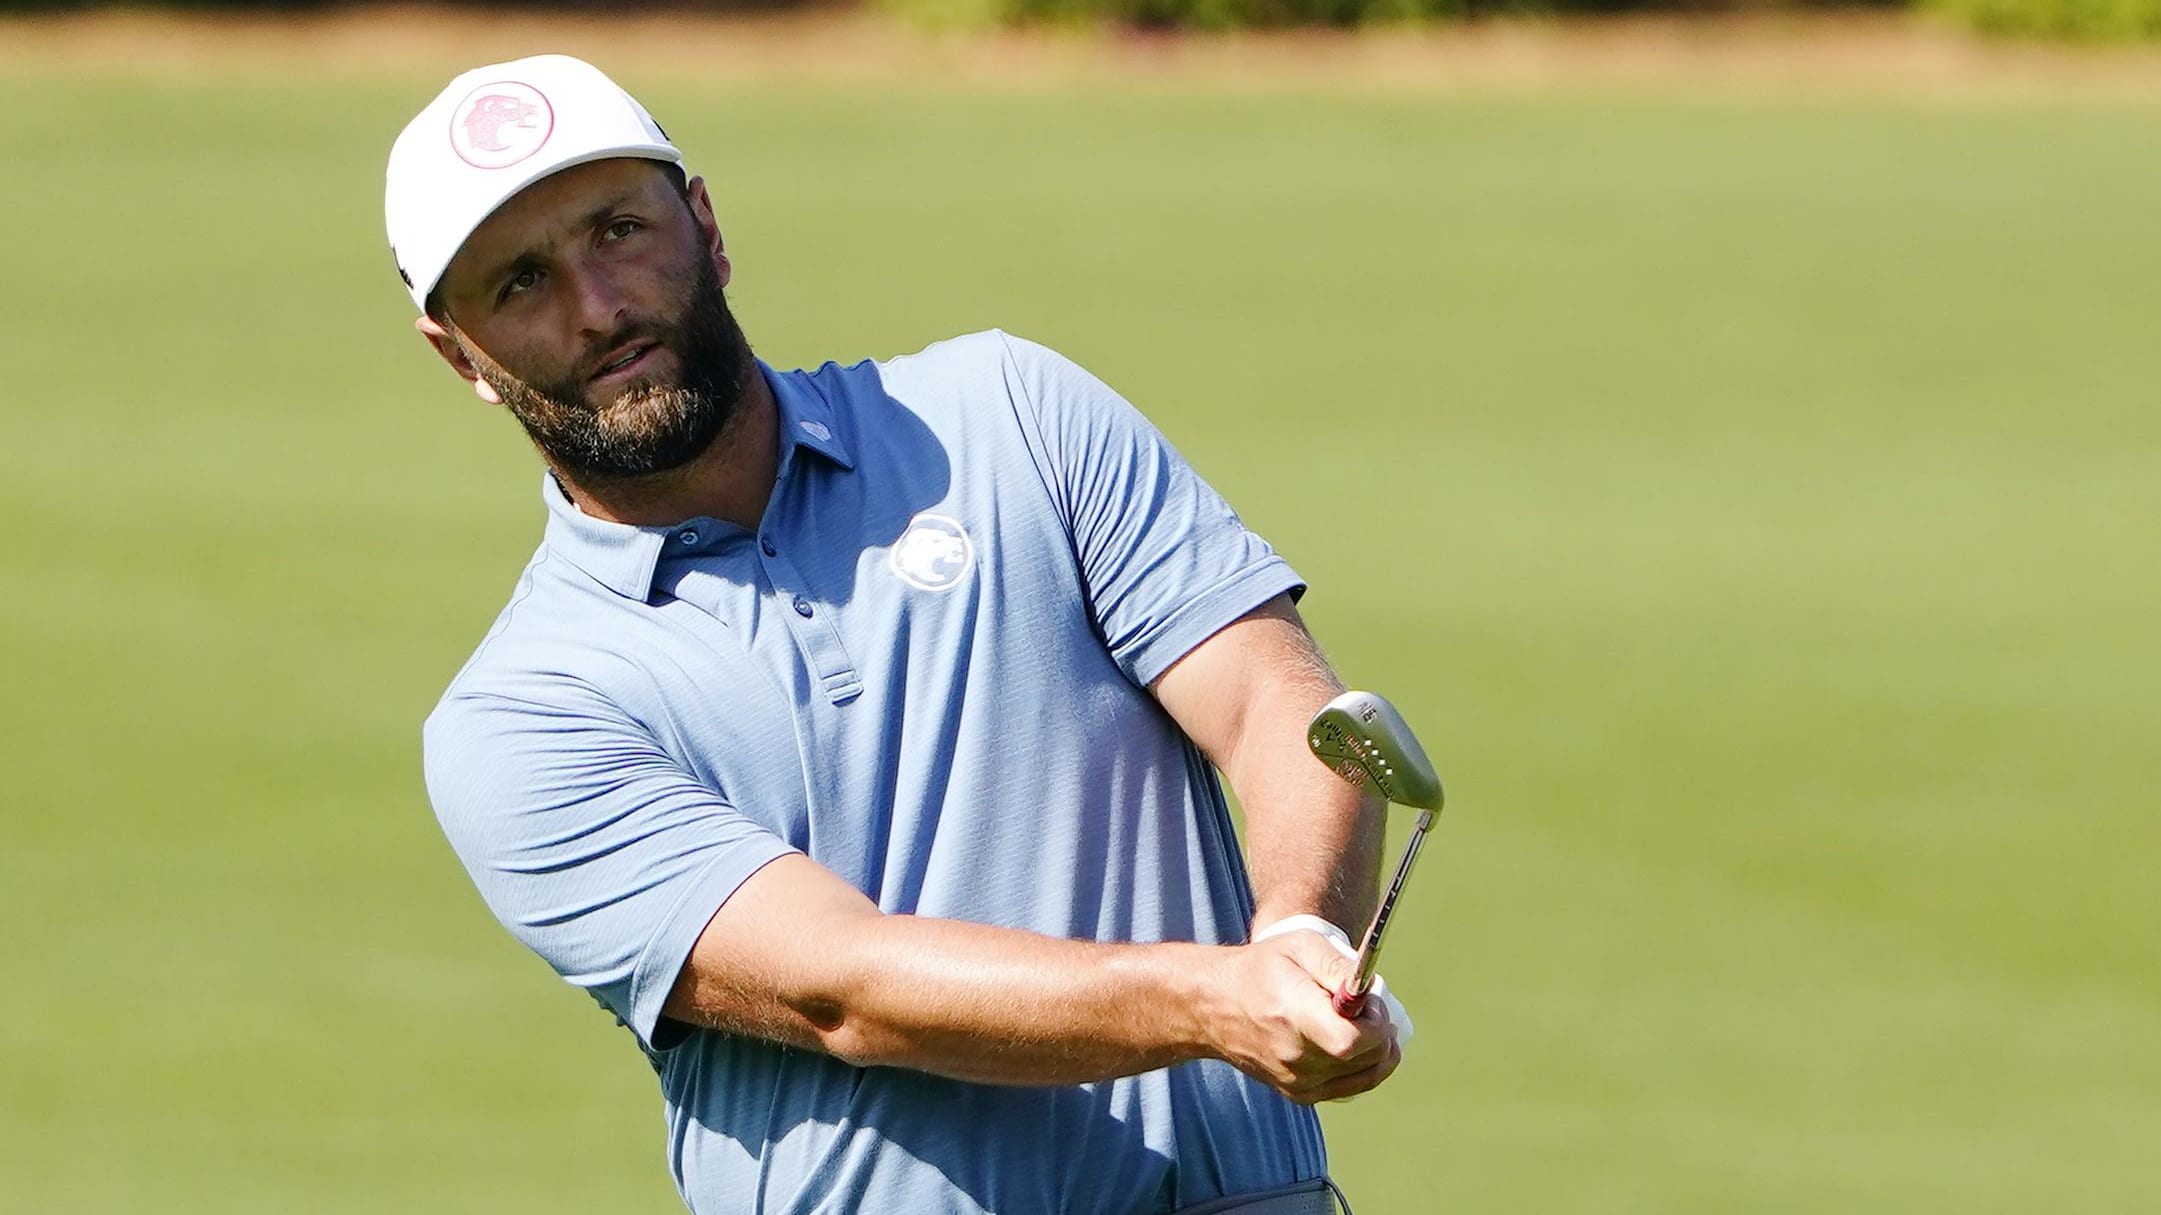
(1341, 940)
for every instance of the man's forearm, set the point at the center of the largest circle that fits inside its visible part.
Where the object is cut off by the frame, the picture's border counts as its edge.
(800, 957)
(1313, 840)
(1246, 695)
(1002, 1006)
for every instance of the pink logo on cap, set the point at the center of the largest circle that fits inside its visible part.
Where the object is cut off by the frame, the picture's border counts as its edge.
(500, 124)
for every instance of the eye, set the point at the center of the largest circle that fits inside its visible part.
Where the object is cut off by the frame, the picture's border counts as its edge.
(523, 280)
(620, 229)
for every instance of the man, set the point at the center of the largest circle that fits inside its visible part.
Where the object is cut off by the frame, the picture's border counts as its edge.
(849, 737)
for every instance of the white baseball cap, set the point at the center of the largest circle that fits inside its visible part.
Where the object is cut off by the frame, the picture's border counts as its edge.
(494, 131)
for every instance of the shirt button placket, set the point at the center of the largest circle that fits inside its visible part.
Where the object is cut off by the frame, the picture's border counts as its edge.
(815, 638)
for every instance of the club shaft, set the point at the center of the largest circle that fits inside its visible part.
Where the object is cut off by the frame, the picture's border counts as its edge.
(1369, 953)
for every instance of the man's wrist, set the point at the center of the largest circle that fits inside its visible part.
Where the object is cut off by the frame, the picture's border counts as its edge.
(1179, 993)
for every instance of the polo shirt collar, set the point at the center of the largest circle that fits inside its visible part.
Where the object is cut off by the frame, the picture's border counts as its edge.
(623, 557)
(806, 418)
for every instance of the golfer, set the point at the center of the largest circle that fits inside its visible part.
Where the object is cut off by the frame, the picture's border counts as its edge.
(852, 736)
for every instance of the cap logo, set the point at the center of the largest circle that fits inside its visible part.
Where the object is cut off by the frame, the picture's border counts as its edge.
(500, 124)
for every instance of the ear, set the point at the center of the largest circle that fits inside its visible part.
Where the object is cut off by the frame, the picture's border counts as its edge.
(452, 353)
(701, 210)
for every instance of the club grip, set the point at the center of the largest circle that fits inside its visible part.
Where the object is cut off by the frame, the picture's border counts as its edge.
(1348, 1003)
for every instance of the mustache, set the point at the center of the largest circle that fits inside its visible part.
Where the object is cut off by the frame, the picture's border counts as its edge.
(610, 348)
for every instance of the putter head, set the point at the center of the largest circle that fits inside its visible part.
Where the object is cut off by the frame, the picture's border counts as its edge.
(1363, 738)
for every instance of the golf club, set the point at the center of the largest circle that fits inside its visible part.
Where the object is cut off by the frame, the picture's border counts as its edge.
(1362, 737)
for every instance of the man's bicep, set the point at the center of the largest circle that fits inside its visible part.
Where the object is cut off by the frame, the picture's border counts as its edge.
(1213, 691)
(594, 847)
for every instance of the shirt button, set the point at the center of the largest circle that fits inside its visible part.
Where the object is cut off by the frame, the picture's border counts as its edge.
(802, 607)
(768, 547)
(686, 539)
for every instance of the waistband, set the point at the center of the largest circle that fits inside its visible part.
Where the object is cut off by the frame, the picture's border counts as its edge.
(1305, 1198)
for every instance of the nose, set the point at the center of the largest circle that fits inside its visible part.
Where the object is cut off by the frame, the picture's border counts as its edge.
(598, 299)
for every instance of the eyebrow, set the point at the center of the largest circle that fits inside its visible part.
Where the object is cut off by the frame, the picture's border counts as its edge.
(524, 257)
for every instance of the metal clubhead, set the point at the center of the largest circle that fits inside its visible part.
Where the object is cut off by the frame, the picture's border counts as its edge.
(1368, 743)
(1362, 737)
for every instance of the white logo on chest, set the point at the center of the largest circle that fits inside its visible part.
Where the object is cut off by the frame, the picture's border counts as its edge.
(934, 553)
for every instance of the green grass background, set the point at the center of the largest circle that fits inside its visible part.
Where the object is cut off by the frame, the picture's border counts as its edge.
(1752, 499)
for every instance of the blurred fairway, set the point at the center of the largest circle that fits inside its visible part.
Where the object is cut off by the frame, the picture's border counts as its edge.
(1754, 502)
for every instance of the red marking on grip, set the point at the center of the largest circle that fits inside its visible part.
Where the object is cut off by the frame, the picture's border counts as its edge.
(1348, 1003)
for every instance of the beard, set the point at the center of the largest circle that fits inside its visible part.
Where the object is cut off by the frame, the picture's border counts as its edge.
(650, 427)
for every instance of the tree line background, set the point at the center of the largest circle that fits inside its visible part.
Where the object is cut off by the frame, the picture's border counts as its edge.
(2074, 20)
(2079, 20)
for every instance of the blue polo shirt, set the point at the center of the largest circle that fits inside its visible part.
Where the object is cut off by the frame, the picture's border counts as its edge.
(926, 670)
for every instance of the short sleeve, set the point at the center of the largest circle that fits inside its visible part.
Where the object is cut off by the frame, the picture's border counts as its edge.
(591, 845)
(1165, 560)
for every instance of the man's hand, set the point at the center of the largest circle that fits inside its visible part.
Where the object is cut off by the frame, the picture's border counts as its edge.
(1340, 941)
(1279, 1026)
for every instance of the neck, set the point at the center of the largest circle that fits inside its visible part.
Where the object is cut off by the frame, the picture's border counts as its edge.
(730, 480)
